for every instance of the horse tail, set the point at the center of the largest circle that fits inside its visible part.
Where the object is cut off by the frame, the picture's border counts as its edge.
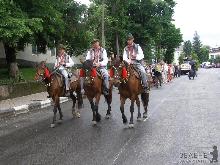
(145, 99)
(80, 99)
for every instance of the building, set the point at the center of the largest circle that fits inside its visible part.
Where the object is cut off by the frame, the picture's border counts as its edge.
(30, 56)
(177, 53)
(214, 52)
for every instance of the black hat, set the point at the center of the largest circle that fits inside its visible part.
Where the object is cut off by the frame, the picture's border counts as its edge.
(130, 36)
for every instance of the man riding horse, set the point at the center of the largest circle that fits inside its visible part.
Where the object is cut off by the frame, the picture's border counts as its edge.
(63, 61)
(192, 72)
(133, 54)
(98, 55)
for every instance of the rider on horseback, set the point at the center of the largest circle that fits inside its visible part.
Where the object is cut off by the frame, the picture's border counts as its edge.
(133, 54)
(63, 61)
(100, 60)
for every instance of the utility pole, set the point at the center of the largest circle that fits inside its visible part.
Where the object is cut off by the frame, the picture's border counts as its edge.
(103, 23)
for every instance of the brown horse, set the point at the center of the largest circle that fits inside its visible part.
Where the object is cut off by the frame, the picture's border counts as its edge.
(56, 89)
(93, 86)
(129, 87)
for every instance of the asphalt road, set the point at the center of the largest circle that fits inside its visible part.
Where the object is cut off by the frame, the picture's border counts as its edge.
(183, 126)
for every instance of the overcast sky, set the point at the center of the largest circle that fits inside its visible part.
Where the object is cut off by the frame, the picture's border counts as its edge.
(196, 15)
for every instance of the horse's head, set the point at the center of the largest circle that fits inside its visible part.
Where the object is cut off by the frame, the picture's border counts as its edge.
(119, 71)
(42, 71)
(89, 71)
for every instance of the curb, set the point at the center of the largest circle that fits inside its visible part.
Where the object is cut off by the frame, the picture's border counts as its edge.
(29, 107)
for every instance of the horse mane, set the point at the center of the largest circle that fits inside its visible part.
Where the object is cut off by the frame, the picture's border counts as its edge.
(87, 65)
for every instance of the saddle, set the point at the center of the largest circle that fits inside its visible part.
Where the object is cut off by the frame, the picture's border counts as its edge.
(61, 81)
(135, 71)
(88, 70)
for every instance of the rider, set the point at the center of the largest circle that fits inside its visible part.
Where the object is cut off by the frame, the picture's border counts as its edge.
(99, 57)
(63, 61)
(133, 54)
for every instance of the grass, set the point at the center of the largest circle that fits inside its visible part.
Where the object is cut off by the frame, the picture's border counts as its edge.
(27, 74)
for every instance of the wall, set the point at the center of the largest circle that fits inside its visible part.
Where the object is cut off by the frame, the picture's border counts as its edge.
(27, 58)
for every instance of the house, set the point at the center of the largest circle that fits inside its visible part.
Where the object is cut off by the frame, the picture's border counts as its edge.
(177, 53)
(214, 52)
(30, 56)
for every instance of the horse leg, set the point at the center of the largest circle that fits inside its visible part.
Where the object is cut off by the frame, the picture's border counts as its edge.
(73, 97)
(145, 101)
(124, 118)
(79, 99)
(139, 109)
(93, 111)
(131, 123)
(56, 101)
(60, 112)
(96, 107)
(109, 101)
(160, 80)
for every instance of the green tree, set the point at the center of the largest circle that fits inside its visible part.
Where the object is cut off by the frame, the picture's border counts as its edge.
(15, 28)
(197, 46)
(196, 59)
(181, 57)
(76, 34)
(204, 53)
(187, 48)
(217, 60)
(29, 21)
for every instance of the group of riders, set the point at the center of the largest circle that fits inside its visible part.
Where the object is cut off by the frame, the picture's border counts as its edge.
(128, 73)
(132, 54)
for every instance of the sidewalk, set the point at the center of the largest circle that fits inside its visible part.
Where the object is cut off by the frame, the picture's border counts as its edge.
(25, 104)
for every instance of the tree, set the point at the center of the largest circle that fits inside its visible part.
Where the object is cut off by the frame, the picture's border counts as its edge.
(15, 28)
(76, 34)
(204, 53)
(171, 39)
(197, 46)
(187, 48)
(181, 57)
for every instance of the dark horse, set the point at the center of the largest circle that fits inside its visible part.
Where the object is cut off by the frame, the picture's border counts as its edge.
(93, 86)
(128, 82)
(56, 89)
(192, 72)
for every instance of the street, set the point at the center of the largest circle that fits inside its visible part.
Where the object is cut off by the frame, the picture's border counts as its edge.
(183, 126)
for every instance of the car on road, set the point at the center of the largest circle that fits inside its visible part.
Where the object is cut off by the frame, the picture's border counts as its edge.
(206, 65)
(185, 67)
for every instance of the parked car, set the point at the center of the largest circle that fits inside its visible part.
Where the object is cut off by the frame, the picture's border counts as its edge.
(206, 65)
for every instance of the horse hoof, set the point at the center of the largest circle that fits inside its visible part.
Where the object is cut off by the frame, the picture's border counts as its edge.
(145, 116)
(98, 117)
(139, 119)
(52, 125)
(76, 114)
(126, 125)
(60, 121)
(108, 116)
(131, 125)
(94, 123)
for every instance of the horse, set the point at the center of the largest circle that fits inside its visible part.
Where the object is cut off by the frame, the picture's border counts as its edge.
(93, 87)
(55, 84)
(127, 79)
(192, 72)
(157, 78)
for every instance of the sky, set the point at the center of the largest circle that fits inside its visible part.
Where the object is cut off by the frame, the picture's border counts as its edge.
(196, 15)
(201, 16)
